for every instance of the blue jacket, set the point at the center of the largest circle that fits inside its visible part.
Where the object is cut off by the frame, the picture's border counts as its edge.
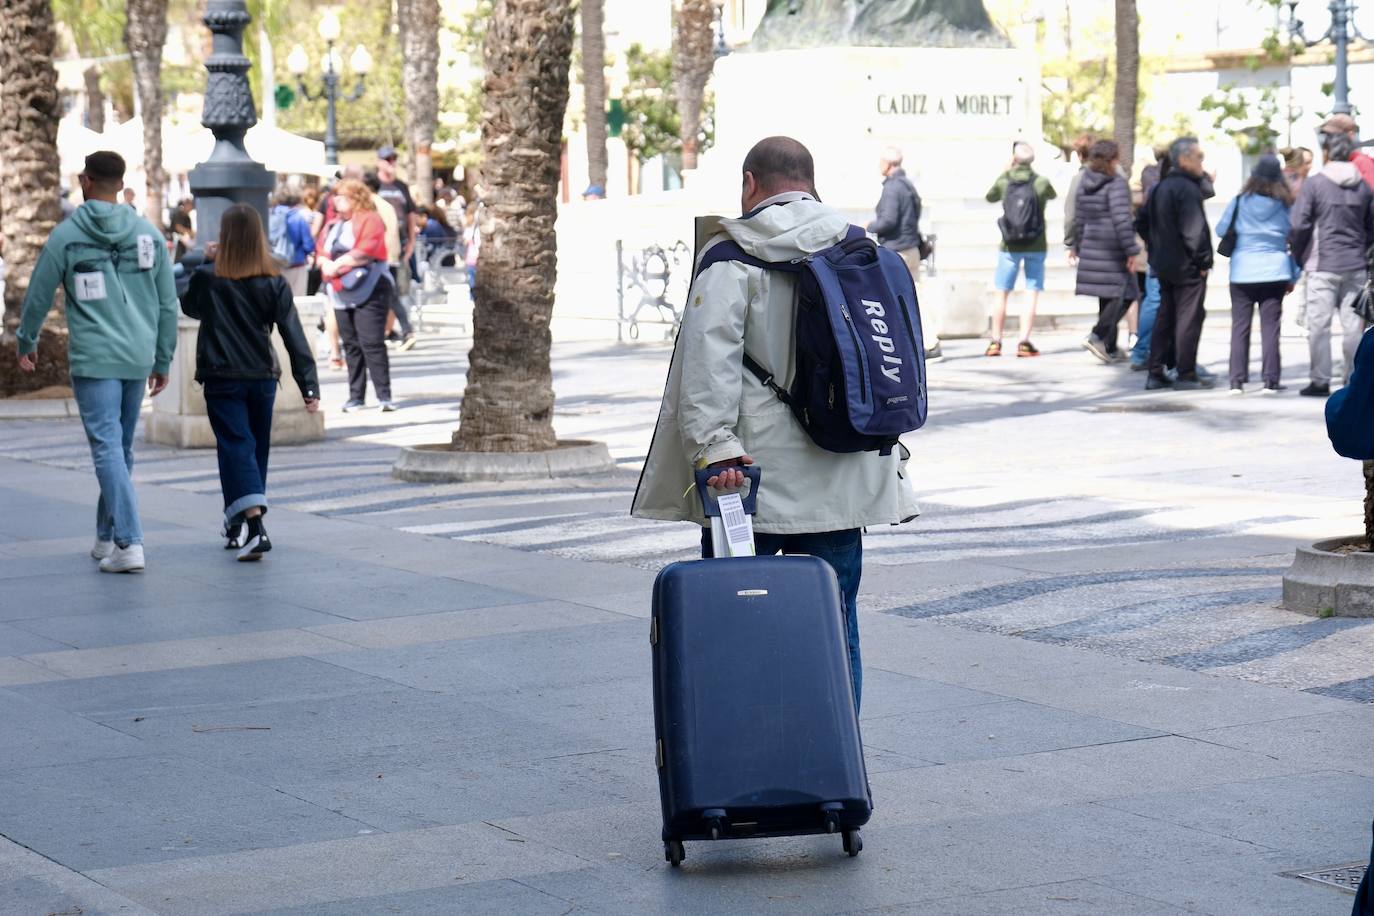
(1261, 254)
(1350, 411)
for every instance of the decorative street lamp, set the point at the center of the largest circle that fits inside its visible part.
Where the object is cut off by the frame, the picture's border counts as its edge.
(1342, 32)
(230, 175)
(332, 65)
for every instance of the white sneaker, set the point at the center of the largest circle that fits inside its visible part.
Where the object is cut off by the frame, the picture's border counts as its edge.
(102, 549)
(124, 560)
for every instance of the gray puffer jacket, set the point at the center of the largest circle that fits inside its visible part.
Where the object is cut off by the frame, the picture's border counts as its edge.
(1104, 237)
(1333, 221)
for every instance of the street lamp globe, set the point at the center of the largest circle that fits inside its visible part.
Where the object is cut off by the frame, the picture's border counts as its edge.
(331, 62)
(297, 62)
(330, 28)
(361, 61)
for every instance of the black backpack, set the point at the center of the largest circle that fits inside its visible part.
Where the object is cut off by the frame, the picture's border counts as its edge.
(1022, 220)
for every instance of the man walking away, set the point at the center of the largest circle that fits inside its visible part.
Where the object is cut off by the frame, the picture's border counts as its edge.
(1174, 227)
(897, 226)
(288, 236)
(1024, 195)
(717, 415)
(1343, 125)
(122, 327)
(1333, 228)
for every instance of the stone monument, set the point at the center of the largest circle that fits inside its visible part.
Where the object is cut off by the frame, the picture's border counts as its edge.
(790, 24)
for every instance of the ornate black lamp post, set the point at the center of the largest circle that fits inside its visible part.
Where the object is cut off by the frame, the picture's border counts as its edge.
(1342, 32)
(361, 63)
(230, 175)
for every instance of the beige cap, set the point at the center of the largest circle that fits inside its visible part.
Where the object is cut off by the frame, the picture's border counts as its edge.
(1339, 124)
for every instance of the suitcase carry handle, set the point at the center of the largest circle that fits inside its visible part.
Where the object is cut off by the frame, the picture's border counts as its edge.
(711, 506)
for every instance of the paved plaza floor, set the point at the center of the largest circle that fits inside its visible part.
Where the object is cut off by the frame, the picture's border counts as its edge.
(1081, 696)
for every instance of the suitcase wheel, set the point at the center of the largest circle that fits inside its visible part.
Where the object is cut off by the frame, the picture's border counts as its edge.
(853, 843)
(674, 852)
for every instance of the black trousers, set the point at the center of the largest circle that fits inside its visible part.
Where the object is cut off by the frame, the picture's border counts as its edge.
(1109, 315)
(1244, 298)
(362, 331)
(1178, 325)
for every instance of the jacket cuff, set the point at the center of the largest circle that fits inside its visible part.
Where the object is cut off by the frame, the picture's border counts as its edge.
(719, 451)
(161, 368)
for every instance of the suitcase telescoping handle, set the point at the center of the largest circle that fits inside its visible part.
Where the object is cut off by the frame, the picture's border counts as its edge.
(732, 533)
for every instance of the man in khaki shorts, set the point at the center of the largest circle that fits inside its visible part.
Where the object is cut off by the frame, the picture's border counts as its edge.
(897, 226)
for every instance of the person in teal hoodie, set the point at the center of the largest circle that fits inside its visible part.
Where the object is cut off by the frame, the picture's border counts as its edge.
(122, 324)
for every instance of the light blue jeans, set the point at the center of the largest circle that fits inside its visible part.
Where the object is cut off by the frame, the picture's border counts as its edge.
(109, 412)
(1149, 307)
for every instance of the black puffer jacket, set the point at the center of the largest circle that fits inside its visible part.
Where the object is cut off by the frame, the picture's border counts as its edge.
(236, 320)
(1104, 237)
(1174, 227)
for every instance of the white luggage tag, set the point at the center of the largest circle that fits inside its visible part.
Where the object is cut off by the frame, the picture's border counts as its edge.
(738, 529)
(732, 529)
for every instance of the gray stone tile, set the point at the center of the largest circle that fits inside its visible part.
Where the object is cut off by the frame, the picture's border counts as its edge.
(88, 591)
(1341, 740)
(36, 734)
(380, 593)
(502, 896)
(17, 641)
(1318, 814)
(55, 897)
(1068, 898)
(15, 672)
(151, 809)
(887, 693)
(196, 652)
(208, 687)
(990, 730)
(469, 624)
(1254, 885)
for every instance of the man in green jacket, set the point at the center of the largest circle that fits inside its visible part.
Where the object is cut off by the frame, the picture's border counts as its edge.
(1024, 194)
(122, 327)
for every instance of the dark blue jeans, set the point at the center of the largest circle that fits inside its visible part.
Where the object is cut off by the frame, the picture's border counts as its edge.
(844, 551)
(241, 416)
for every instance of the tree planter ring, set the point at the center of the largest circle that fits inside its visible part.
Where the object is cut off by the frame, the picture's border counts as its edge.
(442, 464)
(1324, 583)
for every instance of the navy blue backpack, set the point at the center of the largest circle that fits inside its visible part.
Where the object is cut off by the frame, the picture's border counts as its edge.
(860, 379)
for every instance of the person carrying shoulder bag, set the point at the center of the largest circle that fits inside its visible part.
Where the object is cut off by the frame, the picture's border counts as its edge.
(239, 296)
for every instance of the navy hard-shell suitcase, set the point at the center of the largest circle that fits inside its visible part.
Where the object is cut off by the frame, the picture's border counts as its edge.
(753, 703)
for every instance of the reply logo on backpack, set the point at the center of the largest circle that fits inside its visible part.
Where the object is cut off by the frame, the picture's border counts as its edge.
(860, 374)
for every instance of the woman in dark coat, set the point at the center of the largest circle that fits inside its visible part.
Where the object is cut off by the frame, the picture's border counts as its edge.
(1105, 247)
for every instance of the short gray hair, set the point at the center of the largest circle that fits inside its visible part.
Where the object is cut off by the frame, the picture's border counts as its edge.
(891, 154)
(1180, 148)
(1022, 152)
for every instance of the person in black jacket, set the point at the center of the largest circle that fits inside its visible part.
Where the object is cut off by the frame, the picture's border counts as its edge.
(1105, 247)
(897, 224)
(1174, 227)
(238, 297)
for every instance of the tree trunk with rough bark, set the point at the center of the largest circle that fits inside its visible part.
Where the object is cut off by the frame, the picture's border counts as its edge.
(508, 404)
(1369, 505)
(30, 107)
(95, 100)
(1126, 101)
(594, 89)
(145, 32)
(693, 60)
(419, 23)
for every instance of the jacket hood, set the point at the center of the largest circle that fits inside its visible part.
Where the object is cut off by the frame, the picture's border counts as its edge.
(781, 231)
(106, 223)
(1095, 181)
(1344, 174)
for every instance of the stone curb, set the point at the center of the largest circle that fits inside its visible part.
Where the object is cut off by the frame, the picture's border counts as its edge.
(38, 409)
(440, 464)
(1321, 582)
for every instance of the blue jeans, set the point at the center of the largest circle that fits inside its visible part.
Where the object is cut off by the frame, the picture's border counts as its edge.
(844, 551)
(109, 412)
(1149, 308)
(241, 415)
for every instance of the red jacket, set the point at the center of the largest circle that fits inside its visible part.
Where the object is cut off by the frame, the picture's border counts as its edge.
(369, 240)
(1365, 165)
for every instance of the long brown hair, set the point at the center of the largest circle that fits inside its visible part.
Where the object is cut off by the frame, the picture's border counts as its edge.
(243, 246)
(357, 193)
(1279, 190)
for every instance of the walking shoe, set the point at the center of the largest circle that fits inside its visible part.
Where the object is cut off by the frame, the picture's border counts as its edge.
(1120, 356)
(353, 405)
(1273, 388)
(1026, 348)
(1237, 390)
(935, 354)
(1182, 383)
(233, 536)
(124, 560)
(994, 349)
(389, 406)
(393, 337)
(1203, 372)
(409, 342)
(257, 542)
(1157, 382)
(1096, 347)
(1316, 391)
(102, 549)
(1139, 367)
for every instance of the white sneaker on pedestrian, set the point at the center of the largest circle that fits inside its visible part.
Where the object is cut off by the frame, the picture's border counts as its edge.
(124, 560)
(102, 549)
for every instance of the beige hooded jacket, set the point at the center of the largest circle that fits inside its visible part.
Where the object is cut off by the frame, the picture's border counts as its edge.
(713, 409)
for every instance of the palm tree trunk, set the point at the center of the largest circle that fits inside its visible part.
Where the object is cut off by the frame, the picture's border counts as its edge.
(1369, 505)
(95, 100)
(145, 32)
(29, 110)
(508, 404)
(419, 22)
(1126, 100)
(594, 89)
(693, 60)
